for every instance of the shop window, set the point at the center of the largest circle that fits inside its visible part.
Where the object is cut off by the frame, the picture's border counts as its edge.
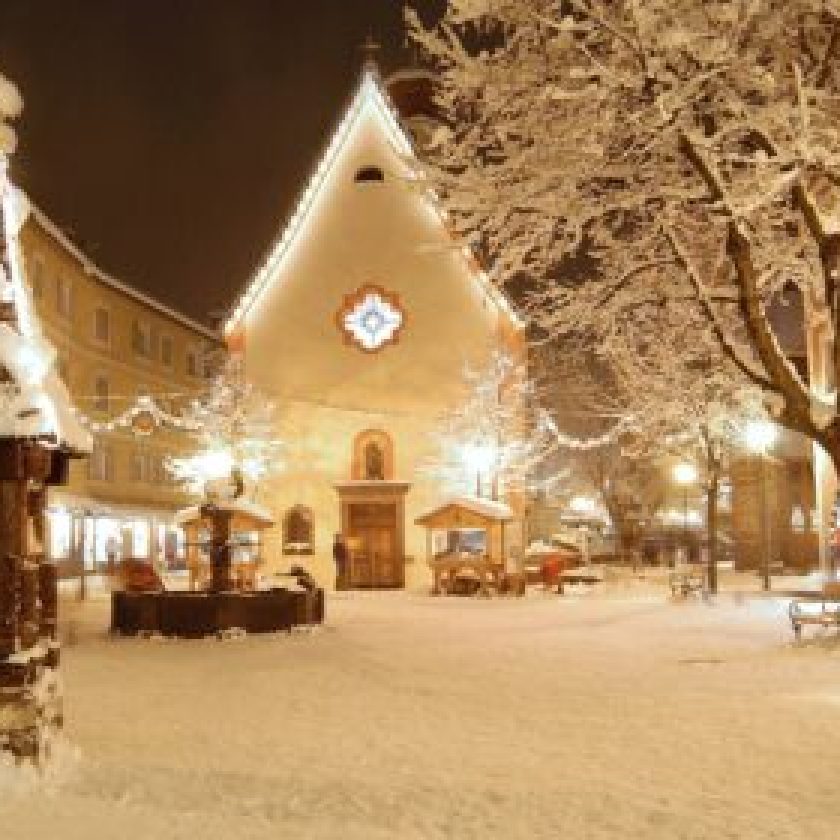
(369, 175)
(373, 456)
(297, 530)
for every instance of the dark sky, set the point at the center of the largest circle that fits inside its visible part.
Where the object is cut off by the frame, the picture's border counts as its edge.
(171, 137)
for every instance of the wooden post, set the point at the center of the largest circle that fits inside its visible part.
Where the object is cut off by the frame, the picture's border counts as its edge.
(12, 547)
(220, 551)
(30, 705)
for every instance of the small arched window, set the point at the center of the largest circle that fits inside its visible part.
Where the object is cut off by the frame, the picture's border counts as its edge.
(369, 175)
(297, 530)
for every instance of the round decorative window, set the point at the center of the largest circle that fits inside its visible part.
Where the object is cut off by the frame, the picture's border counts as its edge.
(370, 318)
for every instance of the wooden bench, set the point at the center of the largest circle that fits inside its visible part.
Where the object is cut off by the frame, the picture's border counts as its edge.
(822, 611)
(687, 582)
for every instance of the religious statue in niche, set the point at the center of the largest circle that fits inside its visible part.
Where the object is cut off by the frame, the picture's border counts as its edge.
(374, 462)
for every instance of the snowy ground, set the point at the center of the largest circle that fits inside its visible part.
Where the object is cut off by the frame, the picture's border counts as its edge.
(616, 715)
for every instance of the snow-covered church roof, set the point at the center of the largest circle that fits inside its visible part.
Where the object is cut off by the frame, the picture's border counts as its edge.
(371, 96)
(34, 402)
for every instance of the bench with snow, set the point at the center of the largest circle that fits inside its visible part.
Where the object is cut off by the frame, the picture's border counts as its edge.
(822, 610)
(685, 582)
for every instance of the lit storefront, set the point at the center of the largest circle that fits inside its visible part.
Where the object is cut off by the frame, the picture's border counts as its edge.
(104, 536)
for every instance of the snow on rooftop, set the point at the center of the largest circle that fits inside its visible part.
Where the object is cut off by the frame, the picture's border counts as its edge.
(483, 507)
(35, 402)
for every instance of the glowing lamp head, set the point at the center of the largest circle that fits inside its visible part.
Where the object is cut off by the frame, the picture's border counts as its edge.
(478, 457)
(215, 464)
(760, 435)
(582, 505)
(685, 473)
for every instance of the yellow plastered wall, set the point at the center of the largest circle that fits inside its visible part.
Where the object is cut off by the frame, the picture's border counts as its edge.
(83, 358)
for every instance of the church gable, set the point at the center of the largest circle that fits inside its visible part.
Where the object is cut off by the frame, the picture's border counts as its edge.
(365, 283)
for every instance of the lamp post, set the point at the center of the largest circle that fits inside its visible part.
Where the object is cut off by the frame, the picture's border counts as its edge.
(479, 458)
(760, 436)
(685, 474)
(584, 507)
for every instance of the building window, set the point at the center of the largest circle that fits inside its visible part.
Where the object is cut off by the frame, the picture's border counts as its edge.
(101, 464)
(160, 474)
(137, 466)
(102, 325)
(141, 339)
(297, 530)
(102, 393)
(64, 297)
(373, 456)
(36, 277)
(369, 175)
(192, 363)
(166, 350)
(146, 467)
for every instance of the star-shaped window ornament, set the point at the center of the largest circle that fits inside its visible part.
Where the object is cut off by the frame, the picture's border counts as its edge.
(371, 318)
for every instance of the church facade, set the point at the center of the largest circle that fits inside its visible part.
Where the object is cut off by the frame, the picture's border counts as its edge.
(358, 326)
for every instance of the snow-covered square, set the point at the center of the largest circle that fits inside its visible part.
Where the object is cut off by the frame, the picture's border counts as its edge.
(611, 715)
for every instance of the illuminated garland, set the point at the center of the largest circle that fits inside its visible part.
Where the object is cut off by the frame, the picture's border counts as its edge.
(607, 439)
(142, 418)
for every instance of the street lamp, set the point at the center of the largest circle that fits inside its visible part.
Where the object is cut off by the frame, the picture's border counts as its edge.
(584, 507)
(759, 436)
(479, 458)
(685, 474)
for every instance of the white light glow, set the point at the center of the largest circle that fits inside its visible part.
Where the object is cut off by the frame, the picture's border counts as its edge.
(760, 435)
(582, 505)
(373, 321)
(685, 473)
(479, 457)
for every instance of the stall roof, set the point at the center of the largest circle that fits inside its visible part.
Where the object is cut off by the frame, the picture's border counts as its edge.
(447, 513)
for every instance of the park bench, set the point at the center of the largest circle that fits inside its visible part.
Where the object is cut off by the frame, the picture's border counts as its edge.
(821, 611)
(685, 582)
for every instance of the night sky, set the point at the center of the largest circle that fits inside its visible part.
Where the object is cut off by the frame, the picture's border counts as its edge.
(170, 138)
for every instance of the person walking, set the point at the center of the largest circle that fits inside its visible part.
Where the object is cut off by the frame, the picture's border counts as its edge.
(340, 555)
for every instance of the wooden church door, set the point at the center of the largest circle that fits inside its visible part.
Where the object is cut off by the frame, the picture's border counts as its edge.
(373, 543)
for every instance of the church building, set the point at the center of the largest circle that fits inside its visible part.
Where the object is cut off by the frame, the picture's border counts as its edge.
(358, 326)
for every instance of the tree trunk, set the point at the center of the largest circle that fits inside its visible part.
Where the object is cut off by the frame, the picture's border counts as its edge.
(712, 531)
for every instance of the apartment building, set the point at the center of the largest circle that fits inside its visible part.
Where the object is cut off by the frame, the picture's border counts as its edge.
(114, 345)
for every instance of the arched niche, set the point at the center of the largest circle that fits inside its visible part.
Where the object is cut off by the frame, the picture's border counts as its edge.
(373, 456)
(298, 536)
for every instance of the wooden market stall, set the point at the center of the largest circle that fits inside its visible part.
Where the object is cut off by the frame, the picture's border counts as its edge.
(465, 536)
